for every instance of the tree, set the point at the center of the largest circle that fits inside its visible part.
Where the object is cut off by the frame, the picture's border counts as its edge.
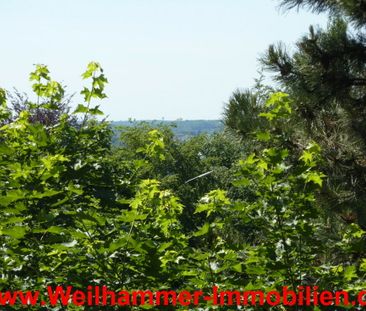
(241, 112)
(326, 77)
(180, 161)
(19, 102)
(354, 10)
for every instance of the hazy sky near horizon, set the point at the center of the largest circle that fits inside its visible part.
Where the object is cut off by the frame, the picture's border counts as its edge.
(163, 58)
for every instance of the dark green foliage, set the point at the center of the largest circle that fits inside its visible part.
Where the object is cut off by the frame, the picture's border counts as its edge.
(326, 80)
(355, 10)
(241, 112)
(75, 210)
(326, 77)
(181, 161)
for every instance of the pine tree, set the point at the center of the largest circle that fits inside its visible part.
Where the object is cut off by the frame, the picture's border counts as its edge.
(326, 77)
(241, 112)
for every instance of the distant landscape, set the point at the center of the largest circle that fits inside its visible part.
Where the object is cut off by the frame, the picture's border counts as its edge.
(182, 129)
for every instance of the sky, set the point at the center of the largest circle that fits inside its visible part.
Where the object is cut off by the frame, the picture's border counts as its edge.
(164, 59)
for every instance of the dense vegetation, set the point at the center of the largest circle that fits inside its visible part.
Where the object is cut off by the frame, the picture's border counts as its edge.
(282, 203)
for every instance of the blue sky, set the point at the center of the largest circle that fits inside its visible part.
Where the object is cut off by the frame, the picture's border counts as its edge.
(163, 58)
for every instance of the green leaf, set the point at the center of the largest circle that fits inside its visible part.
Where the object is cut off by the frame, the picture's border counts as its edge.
(202, 208)
(263, 136)
(117, 244)
(12, 196)
(307, 157)
(133, 215)
(81, 109)
(94, 217)
(315, 177)
(92, 68)
(350, 273)
(55, 229)
(238, 267)
(16, 232)
(363, 265)
(203, 230)
(95, 111)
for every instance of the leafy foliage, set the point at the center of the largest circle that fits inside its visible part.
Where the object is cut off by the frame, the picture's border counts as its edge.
(76, 210)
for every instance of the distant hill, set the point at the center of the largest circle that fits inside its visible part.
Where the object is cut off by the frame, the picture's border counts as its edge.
(183, 129)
